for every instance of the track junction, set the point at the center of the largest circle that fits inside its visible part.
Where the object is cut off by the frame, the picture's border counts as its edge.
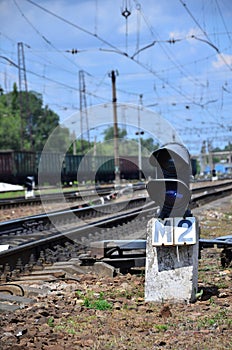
(105, 238)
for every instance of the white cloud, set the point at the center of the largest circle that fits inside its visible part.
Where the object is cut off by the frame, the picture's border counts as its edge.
(222, 60)
(184, 73)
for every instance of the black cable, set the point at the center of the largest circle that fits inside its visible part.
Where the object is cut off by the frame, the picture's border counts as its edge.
(208, 41)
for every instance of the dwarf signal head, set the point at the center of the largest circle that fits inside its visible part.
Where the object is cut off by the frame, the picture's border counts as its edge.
(170, 190)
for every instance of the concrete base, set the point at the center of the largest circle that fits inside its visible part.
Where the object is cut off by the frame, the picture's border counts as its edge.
(171, 271)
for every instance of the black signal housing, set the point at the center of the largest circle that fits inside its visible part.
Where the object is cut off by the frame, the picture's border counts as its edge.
(170, 188)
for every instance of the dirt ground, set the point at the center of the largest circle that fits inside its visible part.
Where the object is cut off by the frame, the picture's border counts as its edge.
(110, 313)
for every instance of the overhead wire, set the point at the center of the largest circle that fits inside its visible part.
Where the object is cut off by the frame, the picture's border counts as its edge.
(165, 49)
(50, 43)
(208, 41)
(223, 20)
(197, 38)
(43, 36)
(56, 81)
(113, 47)
(178, 67)
(103, 41)
(146, 67)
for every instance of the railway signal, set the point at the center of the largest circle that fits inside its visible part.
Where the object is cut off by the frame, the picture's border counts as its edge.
(170, 190)
(172, 237)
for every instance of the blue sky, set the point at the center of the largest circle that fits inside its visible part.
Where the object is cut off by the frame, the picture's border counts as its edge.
(176, 54)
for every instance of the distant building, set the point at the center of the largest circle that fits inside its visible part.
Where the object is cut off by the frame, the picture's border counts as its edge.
(221, 168)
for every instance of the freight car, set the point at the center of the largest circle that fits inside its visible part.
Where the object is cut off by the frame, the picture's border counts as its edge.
(15, 166)
(98, 168)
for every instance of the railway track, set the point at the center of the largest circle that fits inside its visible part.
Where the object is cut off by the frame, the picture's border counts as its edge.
(64, 255)
(98, 242)
(205, 194)
(88, 195)
(15, 232)
(70, 196)
(19, 231)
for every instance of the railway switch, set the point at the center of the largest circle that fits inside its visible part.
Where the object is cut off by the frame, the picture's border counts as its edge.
(170, 189)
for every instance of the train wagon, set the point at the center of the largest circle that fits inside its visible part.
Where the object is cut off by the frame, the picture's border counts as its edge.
(55, 168)
(7, 170)
(15, 166)
(52, 168)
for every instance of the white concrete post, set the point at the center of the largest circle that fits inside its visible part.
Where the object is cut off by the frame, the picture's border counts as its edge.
(171, 260)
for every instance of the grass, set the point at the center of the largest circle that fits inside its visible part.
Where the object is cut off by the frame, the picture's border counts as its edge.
(161, 327)
(14, 194)
(94, 301)
(220, 318)
(73, 325)
(96, 324)
(97, 302)
(51, 321)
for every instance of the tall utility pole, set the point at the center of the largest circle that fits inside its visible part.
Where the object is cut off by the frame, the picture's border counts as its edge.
(139, 133)
(24, 103)
(83, 106)
(113, 75)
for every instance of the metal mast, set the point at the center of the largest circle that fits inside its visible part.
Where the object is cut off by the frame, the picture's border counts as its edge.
(113, 75)
(23, 97)
(83, 107)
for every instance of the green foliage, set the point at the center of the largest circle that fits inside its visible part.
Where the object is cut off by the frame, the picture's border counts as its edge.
(24, 123)
(10, 136)
(226, 148)
(215, 321)
(51, 321)
(81, 147)
(161, 327)
(58, 141)
(109, 133)
(92, 301)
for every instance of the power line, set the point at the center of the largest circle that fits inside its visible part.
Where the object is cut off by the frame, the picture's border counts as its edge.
(103, 41)
(55, 81)
(41, 35)
(223, 21)
(208, 41)
(199, 96)
(116, 50)
(48, 41)
(113, 47)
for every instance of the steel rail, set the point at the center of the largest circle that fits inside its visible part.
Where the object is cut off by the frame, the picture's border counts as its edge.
(45, 221)
(87, 194)
(78, 237)
(54, 197)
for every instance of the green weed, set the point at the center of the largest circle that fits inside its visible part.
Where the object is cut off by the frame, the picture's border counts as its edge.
(218, 319)
(51, 322)
(161, 327)
(92, 301)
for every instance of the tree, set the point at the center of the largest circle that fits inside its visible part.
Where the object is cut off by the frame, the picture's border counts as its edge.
(10, 137)
(228, 147)
(44, 122)
(58, 140)
(24, 123)
(149, 144)
(109, 133)
(82, 146)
